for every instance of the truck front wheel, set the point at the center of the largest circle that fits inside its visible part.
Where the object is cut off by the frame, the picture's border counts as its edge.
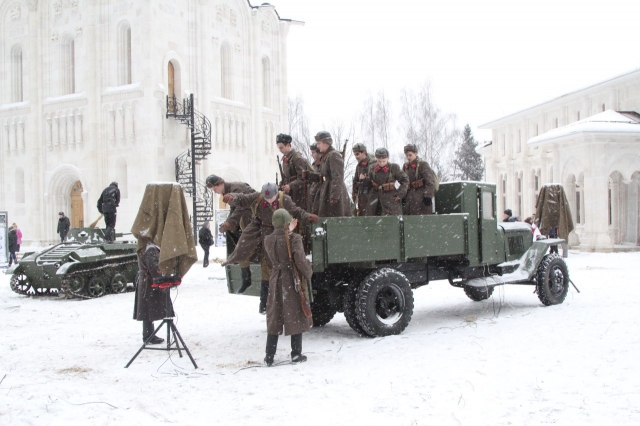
(552, 280)
(384, 303)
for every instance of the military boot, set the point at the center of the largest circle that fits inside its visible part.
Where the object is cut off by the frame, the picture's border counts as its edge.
(296, 349)
(147, 330)
(264, 292)
(272, 345)
(246, 279)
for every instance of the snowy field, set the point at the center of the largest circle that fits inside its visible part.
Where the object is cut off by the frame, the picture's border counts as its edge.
(504, 361)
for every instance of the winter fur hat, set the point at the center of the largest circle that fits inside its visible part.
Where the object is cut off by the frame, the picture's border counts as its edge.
(213, 180)
(382, 153)
(324, 136)
(269, 190)
(359, 147)
(410, 148)
(283, 138)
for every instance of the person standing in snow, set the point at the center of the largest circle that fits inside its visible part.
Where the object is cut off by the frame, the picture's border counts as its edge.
(284, 307)
(12, 237)
(205, 238)
(108, 204)
(63, 226)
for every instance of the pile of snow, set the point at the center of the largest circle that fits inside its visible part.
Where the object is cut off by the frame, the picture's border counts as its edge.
(506, 360)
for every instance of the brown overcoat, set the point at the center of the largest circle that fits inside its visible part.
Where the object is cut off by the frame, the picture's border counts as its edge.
(254, 234)
(553, 211)
(293, 164)
(239, 217)
(284, 308)
(382, 191)
(361, 196)
(150, 304)
(332, 187)
(313, 182)
(422, 184)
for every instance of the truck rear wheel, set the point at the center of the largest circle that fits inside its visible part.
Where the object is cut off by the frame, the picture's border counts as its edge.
(351, 311)
(385, 303)
(322, 309)
(552, 280)
(478, 294)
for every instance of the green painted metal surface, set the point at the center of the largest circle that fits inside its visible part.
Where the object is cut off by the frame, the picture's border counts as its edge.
(362, 239)
(234, 279)
(435, 235)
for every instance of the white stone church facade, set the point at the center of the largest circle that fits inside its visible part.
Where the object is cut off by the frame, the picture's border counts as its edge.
(587, 140)
(83, 87)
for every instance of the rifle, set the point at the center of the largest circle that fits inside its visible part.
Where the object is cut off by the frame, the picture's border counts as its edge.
(277, 179)
(344, 148)
(281, 171)
(300, 284)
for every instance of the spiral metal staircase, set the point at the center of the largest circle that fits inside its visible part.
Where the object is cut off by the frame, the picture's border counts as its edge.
(200, 126)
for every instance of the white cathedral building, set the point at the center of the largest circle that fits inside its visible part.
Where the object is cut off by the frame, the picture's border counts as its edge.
(83, 98)
(587, 140)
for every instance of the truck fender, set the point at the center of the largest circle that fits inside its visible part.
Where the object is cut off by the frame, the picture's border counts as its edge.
(532, 257)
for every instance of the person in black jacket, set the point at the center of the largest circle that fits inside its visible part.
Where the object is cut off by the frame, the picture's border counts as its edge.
(205, 238)
(63, 226)
(13, 245)
(108, 203)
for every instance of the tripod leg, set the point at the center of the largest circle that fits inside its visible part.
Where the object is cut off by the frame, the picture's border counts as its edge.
(184, 346)
(175, 339)
(144, 345)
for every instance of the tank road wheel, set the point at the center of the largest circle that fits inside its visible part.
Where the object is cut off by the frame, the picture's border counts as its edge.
(385, 303)
(41, 291)
(96, 286)
(76, 284)
(350, 309)
(118, 283)
(552, 280)
(20, 283)
(322, 309)
(478, 294)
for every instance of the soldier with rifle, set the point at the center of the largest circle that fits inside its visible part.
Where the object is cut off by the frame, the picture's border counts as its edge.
(288, 303)
(291, 169)
(312, 177)
(263, 204)
(423, 183)
(384, 198)
(359, 195)
(238, 218)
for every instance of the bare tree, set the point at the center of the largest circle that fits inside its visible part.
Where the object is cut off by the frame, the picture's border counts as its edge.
(375, 121)
(383, 119)
(434, 132)
(344, 136)
(299, 127)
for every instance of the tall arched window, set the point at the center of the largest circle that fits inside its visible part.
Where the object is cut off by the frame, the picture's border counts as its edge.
(124, 54)
(266, 82)
(67, 66)
(19, 185)
(17, 94)
(171, 77)
(226, 70)
(121, 177)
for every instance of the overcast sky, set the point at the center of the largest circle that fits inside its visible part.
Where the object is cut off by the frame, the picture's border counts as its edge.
(485, 58)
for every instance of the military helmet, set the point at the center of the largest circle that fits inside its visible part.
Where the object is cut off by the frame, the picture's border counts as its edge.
(280, 218)
(283, 138)
(359, 147)
(269, 190)
(324, 136)
(410, 148)
(213, 180)
(314, 147)
(382, 153)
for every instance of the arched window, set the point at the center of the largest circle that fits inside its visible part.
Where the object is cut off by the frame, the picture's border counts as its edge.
(67, 66)
(19, 185)
(226, 71)
(171, 83)
(124, 54)
(121, 177)
(17, 94)
(266, 82)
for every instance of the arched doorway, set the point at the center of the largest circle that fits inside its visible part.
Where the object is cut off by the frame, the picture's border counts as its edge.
(77, 206)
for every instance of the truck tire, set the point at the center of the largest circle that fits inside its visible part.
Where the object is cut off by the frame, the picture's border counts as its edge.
(385, 303)
(350, 309)
(552, 280)
(478, 294)
(322, 309)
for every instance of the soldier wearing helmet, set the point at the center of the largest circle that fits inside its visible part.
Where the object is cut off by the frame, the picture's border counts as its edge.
(423, 183)
(359, 195)
(384, 198)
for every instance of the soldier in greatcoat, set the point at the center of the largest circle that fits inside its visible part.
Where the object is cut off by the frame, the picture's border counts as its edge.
(262, 204)
(423, 183)
(284, 308)
(237, 220)
(332, 197)
(293, 167)
(166, 250)
(312, 176)
(359, 194)
(384, 198)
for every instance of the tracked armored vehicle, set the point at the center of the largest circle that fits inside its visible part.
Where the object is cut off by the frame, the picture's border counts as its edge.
(368, 267)
(85, 266)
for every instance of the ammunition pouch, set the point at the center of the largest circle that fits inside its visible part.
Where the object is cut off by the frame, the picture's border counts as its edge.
(313, 177)
(417, 183)
(389, 186)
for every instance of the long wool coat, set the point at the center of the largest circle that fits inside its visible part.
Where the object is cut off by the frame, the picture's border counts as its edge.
(293, 164)
(255, 233)
(361, 196)
(239, 217)
(284, 309)
(332, 187)
(383, 202)
(553, 211)
(150, 304)
(422, 183)
(313, 184)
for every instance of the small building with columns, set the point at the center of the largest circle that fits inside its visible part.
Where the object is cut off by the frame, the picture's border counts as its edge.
(587, 140)
(83, 90)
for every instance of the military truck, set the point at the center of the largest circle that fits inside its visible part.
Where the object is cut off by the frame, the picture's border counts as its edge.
(368, 267)
(84, 266)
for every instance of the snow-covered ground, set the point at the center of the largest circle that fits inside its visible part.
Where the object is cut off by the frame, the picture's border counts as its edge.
(505, 361)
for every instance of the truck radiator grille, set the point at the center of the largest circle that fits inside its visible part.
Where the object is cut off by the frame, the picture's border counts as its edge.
(516, 245)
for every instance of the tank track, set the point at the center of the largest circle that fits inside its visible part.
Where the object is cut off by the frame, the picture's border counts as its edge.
(65, 288)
